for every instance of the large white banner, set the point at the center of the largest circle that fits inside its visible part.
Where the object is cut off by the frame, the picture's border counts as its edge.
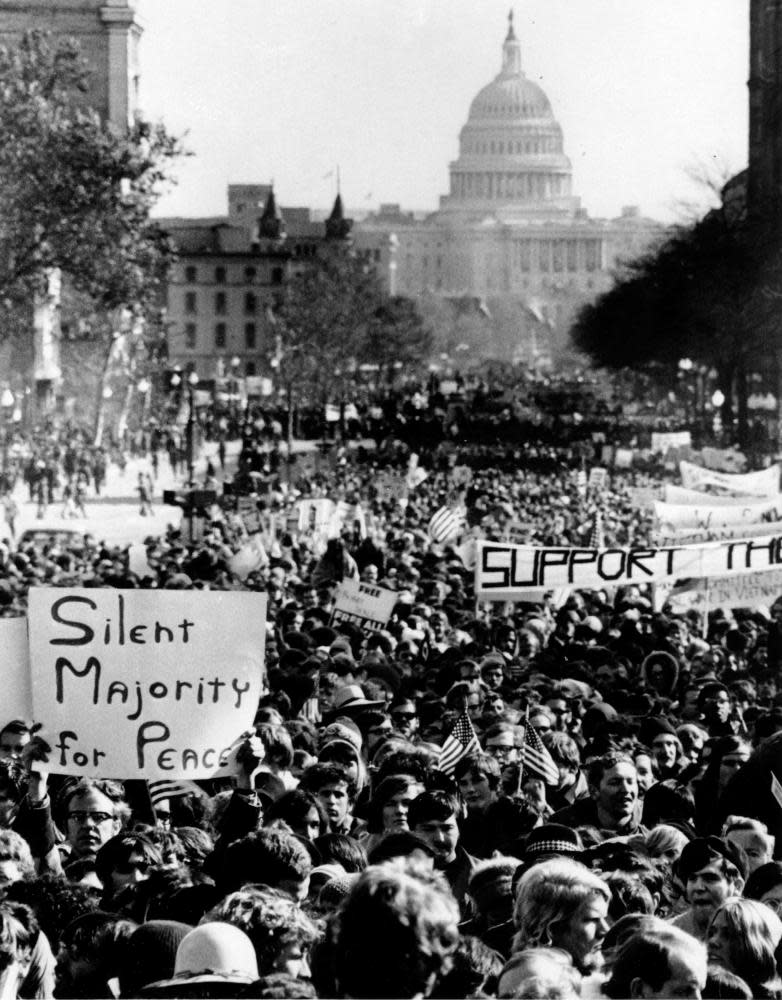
(751, 590)
(690, 536)
(764, 483)
(711, 517)
(681, 495)
(144, 683)
(507, 572)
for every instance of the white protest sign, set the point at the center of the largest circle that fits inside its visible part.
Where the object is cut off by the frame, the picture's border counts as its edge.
(662, 441)
(144, 683)
(711, 517)
(623, 458)
(315, 515)
(687, 536)
(764, 483)
(724, 460)
(17, 695)
(507, 572)
(364, 605)
(598, 477)
(681, 495)
(751, 590)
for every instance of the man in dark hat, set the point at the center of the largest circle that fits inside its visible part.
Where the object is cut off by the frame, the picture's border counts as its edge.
(712, 870)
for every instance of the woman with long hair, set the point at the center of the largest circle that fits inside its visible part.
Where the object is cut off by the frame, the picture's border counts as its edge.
(742, 938)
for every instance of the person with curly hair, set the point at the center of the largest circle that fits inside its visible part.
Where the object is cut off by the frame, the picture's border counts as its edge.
(281, 932)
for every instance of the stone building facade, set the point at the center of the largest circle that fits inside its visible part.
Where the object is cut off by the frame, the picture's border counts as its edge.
(108, 33)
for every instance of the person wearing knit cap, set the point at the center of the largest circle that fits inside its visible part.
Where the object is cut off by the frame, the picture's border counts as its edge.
(491, 890)
(149, 955)
(712, 870)
(659, 735)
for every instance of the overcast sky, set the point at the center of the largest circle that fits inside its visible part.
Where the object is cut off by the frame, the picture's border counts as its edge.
(285, 90)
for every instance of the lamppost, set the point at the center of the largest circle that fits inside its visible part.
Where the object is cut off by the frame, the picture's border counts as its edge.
(192, 382)
(685, 370)
(7, 402)
(717, 401)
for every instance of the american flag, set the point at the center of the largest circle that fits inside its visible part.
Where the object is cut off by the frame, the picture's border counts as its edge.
(459, 742)
(446, 523)
(536, 759)
(172, 789)
(596, 539)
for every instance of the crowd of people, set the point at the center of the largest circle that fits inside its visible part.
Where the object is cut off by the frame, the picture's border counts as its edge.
(607, 824)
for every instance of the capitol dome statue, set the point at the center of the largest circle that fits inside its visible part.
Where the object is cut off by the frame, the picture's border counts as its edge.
(510, 151)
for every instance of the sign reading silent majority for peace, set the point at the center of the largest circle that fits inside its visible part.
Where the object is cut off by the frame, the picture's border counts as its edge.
(507, 572)
(144, 683)
(366, 606)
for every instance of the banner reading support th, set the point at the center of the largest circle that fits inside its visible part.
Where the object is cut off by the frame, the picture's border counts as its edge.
(507, 572)
(144, 683)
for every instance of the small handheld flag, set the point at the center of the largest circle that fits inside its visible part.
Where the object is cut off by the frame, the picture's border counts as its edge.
(536, 759)
(459, 742)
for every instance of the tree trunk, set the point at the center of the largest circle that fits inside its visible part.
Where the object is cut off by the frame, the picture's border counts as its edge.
(725, 382)
(100, 404)
(289, 431)
(742, 404)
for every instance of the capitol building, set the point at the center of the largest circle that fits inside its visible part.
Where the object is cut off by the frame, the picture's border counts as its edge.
(510, 234)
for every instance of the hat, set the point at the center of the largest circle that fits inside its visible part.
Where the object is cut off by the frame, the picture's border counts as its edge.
(343, 732)
(655, 726)
(150, 953)
(552, 839)
(351, 696)
(214, 952)
(492, 880)
(700, 852)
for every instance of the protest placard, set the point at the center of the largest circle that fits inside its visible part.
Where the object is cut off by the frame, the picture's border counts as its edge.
(623, 458)
(315, 515)
(663, 440)
(506, 572)
(643, 497)
(764, 483)
(17, 693)
(366, 606)
(249, 558)
(144, 683)
(598, 478)
(247, 509)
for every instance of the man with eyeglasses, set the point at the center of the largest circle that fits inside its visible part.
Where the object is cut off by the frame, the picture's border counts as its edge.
(90, 807)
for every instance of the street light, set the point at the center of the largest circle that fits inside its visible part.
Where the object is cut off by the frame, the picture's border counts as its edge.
(717, 399)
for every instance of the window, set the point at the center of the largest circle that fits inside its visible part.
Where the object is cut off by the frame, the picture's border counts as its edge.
(220, 303)
(377, 256)
(190, 336)
(249, 335)
(249, 368)
(191, 274)
(592, 255)
(249, 273)
(276, 275)
(220, 335)
(558, 255)
(250, 303)
(572, 255)
(220, 275)
(191, 303)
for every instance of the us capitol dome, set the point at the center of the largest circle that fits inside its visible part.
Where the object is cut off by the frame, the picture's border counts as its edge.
(511, 149)
(510, 236)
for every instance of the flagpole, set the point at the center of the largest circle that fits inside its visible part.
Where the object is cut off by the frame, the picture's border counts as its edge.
(521, 757)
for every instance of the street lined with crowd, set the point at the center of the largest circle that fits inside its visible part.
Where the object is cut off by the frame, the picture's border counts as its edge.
(576, 795)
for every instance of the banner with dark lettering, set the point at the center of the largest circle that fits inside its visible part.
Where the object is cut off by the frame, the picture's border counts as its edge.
(507, 572)
(669, 535)
(367, 606)
(713, 516)
(144, 683)
(750, 590)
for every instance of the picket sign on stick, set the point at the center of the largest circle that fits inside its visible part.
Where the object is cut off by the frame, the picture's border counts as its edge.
(144, 683)
(507, 572)
(363, 604)
(17, 690)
